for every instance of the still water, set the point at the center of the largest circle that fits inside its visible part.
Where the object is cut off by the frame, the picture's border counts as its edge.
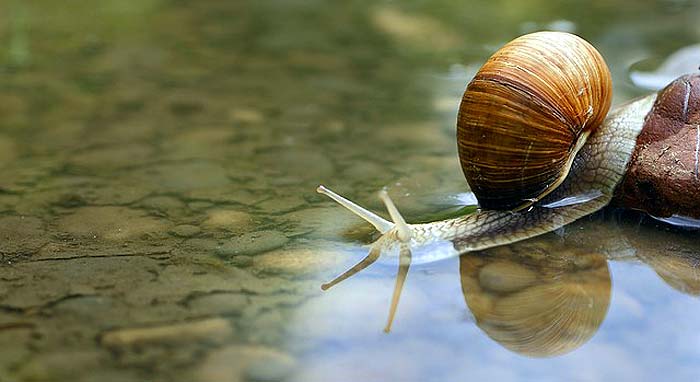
(159, 221)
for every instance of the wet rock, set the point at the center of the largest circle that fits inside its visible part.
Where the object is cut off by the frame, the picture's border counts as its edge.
(663, 177)
(62, 365)
(185, 230)
(199, 244)
(284, 203)
(320, 222)
(229, 220)
(165, 204)
(246, 363)
(505, 277)
(21, 235)
(252, 243)
(213, 330)
(309, 259)
(111, 223)
(91, 308)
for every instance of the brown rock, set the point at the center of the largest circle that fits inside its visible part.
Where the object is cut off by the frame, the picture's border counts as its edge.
(663, 176)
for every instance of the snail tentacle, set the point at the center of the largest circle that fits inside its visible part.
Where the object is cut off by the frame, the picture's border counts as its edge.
(397, 233)
(380, 224)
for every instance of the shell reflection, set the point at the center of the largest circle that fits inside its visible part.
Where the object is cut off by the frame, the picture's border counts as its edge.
(537, 298)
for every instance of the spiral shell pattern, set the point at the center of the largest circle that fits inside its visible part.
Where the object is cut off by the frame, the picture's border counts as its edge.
(526, 114)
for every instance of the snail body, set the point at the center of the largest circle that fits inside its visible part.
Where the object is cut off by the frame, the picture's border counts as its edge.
(580, 174)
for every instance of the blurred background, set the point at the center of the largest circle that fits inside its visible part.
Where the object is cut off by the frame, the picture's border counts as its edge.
(159, 221)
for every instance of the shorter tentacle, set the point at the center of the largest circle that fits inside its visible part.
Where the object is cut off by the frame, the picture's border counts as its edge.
(371, 257)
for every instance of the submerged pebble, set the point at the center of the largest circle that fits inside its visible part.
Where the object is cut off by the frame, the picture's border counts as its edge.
(214, 330)
(320, 222)
(246, 363)
(21, 235)
(185, 230)
(229, 220)
(252, 243)
(304, 260)
(111, 223)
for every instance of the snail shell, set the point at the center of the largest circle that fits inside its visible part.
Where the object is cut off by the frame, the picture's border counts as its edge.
(526, 114)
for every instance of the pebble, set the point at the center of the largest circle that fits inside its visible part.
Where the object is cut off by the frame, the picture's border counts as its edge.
(251, 363)
(112, 223)
(185, 230)
(215, 330)
(321, 222)
(252, 243)
(279, 204)
(306, 260)
(165, 204)
(505, 277)
(21, 235)
(228, 220)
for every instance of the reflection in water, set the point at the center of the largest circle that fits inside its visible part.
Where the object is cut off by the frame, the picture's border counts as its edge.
(545, 297)
(537, 301)
(683, 61)
(680, 271)
(676, 259)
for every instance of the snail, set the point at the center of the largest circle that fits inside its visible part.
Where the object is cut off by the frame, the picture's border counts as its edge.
(539, 150)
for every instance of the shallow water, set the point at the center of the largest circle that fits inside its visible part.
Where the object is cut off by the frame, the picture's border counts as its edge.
(158, 161)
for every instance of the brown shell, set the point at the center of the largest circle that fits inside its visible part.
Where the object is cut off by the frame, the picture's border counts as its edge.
(526, 114)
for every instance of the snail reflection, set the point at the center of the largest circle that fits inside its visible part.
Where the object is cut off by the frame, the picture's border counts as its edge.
(675, 258)
(537, 298)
